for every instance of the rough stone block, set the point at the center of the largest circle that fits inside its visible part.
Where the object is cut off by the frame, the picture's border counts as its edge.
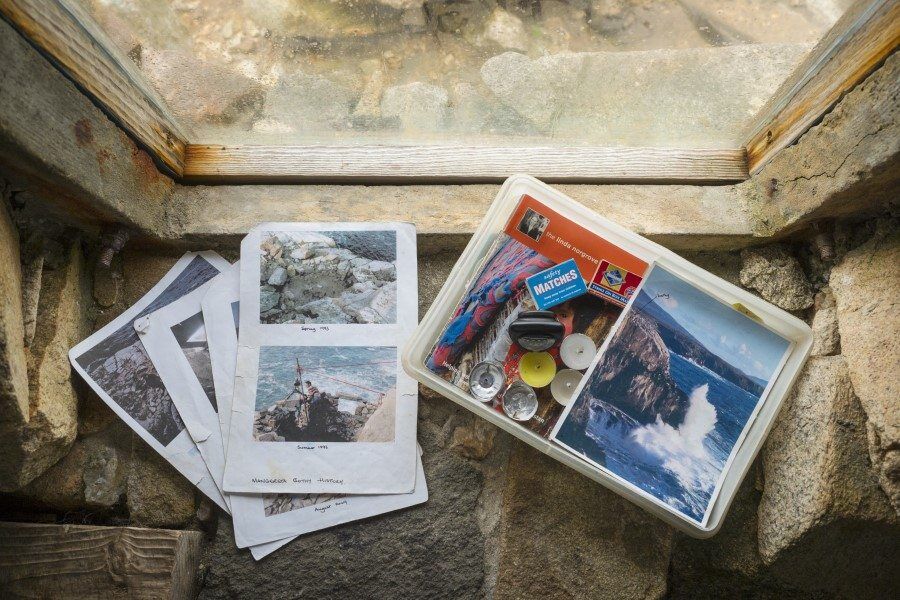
(826, 338)
(776, 274)
(157, 495)
(866, 285)
(474, 439)
(13, 366)
(644, 95)
(824, 523)
(564, 536)
(734, 551)
(433, 550)
(90, 477)
(41, 435)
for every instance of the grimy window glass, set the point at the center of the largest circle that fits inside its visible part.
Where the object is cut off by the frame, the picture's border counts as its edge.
(663, 73)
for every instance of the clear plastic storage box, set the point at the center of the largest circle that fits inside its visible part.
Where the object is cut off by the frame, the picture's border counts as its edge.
(797, 336)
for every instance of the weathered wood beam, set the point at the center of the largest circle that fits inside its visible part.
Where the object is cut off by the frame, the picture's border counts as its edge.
(863, 37)
(63, 148)
(68, 35)
(847, 164)
(449, 164)
(82, 561)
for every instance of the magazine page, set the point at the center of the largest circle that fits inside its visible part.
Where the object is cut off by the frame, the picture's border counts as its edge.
(175, 340)
(116, 366)
(671, 394)
(546, 272)
(261, 519)
(220, 315)
(321, 403)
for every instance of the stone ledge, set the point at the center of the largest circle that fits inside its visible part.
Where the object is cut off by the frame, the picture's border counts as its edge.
(682, 217)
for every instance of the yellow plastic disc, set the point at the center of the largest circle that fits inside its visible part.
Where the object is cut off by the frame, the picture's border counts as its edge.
(537, 369)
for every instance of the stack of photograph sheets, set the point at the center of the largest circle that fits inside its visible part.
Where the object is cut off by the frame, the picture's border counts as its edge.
(274, 384)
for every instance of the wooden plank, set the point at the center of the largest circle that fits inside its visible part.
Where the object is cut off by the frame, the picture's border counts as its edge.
(68, 36)
(60, 147)
(849, 164)
(384, 163)
(858, 43)
(83, 561)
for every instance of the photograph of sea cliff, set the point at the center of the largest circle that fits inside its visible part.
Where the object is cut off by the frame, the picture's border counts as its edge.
(671, 395)
(191, 337)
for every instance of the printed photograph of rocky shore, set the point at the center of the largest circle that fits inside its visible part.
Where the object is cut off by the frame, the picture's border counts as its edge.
(328, 277)
(671, 395)
(326, 394)
(121, 367)
(191, 337)
(278, 504)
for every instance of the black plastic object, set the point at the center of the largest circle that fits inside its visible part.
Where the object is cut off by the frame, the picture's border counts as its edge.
(536, 330)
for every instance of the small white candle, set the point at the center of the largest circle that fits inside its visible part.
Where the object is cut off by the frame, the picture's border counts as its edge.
(577, 351)
(564, 385)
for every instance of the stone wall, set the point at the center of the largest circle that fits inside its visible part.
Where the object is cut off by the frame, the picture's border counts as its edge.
(817, 516)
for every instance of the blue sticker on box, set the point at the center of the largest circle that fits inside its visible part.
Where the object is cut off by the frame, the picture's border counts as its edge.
(556, 285)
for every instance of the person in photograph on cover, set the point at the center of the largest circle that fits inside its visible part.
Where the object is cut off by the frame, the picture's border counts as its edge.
(533, 224)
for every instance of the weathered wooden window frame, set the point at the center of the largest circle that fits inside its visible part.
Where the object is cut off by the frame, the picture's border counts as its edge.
(858, 43)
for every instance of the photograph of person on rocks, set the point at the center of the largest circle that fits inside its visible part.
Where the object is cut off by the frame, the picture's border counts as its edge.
(326, 394)
(669, 399)
(329, 277)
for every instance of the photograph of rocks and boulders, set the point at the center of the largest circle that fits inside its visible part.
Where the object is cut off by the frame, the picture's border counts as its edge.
(95, 208)
(278, 504)
(333, 277)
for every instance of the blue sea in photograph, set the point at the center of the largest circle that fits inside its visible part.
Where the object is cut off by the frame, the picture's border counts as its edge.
(663, 409)
(362, 371)
(686, 486)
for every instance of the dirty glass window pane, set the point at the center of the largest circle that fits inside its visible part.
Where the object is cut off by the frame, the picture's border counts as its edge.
(665, 73)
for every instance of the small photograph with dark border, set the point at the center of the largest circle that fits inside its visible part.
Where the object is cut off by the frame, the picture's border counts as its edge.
(533, 224)
(279, 504)
(326, 394)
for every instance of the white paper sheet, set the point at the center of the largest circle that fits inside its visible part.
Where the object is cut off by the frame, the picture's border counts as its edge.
(115, 364)
(175, 340)
(220, 314)
(347, 349)
(260, 519)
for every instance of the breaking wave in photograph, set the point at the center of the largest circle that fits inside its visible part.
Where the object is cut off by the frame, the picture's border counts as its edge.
(680, 464)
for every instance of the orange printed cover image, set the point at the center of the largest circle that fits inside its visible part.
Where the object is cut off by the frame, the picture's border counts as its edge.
(535, 238)
(608, 270)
